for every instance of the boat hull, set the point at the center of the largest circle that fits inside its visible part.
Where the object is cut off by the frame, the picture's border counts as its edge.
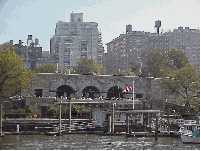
(190, 139)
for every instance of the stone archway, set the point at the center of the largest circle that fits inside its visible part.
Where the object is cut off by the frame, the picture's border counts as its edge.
(64, 90)
(90, 91)
(115, 92)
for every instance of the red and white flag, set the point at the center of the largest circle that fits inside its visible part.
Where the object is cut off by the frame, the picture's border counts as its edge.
(129, 88)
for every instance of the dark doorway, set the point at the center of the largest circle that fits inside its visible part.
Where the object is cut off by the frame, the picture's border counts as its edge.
(90, 91)
(38, 92)
(115, 92)
(43, 110)
(65, 91)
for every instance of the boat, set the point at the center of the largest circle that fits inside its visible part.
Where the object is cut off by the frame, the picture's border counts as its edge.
(188, 127)
(54, 133)
(193, 138)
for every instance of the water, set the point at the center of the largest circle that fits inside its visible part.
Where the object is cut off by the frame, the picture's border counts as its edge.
(91, 142)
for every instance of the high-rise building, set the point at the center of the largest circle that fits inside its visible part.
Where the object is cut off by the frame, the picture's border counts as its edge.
(187, 40)
(129, 47)
(74, 40)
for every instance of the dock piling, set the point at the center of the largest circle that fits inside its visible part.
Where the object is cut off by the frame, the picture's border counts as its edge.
(0, 120)
(156, 129)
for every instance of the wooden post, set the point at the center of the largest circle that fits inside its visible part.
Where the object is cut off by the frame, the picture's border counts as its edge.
(112, 118)
(156, 129)
(0, 120)
(127, 122)
(150, 120)
(168, 119)
(60, 118)
(70, 114)
(109, 124)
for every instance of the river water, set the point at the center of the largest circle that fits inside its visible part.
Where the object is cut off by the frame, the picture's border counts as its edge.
(91, 142)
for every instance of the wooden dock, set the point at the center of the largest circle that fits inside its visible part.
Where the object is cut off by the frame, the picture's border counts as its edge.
(147, 134)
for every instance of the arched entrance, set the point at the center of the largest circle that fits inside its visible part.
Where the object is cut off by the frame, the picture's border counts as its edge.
(115, 92)
(90, 91)
(65, 90)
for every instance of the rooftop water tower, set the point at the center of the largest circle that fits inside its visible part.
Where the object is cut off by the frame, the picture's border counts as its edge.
(29, 40)
(158, 25)
(128, 28)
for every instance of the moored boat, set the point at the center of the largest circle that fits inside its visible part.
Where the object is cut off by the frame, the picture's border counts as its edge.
(193, 138)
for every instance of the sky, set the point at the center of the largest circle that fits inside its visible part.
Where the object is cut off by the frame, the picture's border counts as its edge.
(20, 18)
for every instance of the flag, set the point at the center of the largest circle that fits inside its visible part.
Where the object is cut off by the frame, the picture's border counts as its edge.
(129, 88)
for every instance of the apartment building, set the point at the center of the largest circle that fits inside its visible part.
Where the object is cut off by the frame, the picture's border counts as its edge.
(187, 40)
(74, 40)
(30, 52)
(129, 47)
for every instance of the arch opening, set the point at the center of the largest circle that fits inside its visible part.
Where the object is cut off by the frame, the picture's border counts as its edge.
(90, 91)
(115, 92)
(65, 91)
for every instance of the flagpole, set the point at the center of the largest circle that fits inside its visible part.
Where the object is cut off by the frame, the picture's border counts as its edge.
(133, 94)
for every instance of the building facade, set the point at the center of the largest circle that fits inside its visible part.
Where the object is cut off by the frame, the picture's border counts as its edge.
(31, 53)
(74, 40)
(128, 47)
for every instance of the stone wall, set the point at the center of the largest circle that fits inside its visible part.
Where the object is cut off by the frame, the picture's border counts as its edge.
(46, 82)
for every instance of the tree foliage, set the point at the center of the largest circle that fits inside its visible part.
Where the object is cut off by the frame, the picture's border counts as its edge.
(183, 83)
(127, 73)
(158, 64)
(13, 76)
(135, 68)
(29, 109)
(51, 111)
(85, 66)
(178, 58)
(48, 68)
(155, 63)
(80, 109)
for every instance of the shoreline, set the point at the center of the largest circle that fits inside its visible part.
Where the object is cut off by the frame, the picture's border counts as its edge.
(134, 134)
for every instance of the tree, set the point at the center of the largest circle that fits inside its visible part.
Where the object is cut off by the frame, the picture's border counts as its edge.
(185, 84)
(126, 73)
(13, 76)
(48, 68)
(51, 111)
(28, 108)
(85, 66)
(135, 68)
(178, 58)
(156, 63)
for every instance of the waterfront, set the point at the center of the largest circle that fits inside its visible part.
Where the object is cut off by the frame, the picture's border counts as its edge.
(91, 142)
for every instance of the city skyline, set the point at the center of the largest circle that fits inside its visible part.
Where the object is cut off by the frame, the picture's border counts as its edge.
(38, 18)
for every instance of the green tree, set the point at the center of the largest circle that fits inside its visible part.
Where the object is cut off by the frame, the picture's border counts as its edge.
(28, 108)
(48, 68)
(155, 63)
(185, 84)
(13, 76)
(51, 112)
(178, 58)
(135, 68)
(85, 65)
(158, 64)
(130, 73)
(80, 109)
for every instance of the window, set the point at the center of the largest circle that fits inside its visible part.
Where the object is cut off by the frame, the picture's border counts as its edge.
(139, 95)
(38, 92)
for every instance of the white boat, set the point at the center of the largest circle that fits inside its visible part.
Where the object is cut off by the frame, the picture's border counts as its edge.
(188, 128)
(193, 138)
